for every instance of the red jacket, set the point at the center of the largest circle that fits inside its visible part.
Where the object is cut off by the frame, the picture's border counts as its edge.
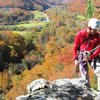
(84, 42)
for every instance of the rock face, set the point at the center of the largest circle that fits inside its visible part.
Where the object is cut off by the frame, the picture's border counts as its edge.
(61, 89)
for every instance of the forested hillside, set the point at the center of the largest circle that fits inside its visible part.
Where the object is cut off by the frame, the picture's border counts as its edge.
(25, 4)
(35, 44)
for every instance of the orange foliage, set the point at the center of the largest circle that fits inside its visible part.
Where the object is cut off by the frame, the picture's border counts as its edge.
(30, 57)
(48, 69)
(10, 2)
(77, 6)
(52, 45)
(66, 55)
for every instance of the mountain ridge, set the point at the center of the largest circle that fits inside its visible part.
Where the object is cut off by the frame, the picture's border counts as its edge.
(25, 4)
(45, 4)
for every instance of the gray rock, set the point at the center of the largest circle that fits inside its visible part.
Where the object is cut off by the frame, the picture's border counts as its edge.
(98, 96)
(23, 97)
(37, 84)
(61, 89)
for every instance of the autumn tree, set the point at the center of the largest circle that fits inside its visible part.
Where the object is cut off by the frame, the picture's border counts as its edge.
(90, 9)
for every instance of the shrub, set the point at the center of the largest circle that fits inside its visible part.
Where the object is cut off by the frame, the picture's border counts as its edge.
(59, 67)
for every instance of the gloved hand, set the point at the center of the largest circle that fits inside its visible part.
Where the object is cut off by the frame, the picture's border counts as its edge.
(76, 62)
(85, 59)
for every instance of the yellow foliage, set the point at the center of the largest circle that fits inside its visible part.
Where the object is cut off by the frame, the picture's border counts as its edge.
(16, 79)
(39, 48)
(4, 80)
(1, 43)
(47, 56)
(13, 53)
(45, 70)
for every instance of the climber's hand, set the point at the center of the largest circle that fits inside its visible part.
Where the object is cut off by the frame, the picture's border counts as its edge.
(76, 62)
(85, 59)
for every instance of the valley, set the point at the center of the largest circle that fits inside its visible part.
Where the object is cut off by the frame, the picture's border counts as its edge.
(36, 41)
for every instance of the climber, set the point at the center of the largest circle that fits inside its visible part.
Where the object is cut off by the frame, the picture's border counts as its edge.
(86, 40)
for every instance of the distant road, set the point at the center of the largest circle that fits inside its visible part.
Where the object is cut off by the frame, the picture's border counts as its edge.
(47, 18)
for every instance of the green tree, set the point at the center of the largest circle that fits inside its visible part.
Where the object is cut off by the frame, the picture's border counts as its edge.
(90, 10)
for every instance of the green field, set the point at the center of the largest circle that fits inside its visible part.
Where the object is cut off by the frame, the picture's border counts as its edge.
(31, 24)
(24, 27)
